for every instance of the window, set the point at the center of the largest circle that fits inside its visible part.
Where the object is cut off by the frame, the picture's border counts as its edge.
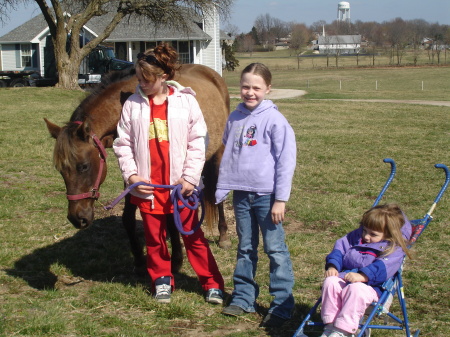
(183, 51)
(25, 51)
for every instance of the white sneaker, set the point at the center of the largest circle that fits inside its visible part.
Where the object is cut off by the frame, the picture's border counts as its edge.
(337, 333)
(214, 296)
(327, 330)
(162, 293)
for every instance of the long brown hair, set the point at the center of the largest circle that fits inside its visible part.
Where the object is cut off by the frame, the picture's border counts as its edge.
(388, 219)
(163, 59)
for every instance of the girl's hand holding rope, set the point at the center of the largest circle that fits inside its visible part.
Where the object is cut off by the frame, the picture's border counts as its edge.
(143, 189)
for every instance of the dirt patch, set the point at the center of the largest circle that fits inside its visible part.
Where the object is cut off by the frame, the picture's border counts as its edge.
(293, 93)
(285, 93)
(280, 94)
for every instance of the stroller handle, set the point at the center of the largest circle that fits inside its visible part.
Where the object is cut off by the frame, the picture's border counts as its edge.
(443, 188)
(388, 182)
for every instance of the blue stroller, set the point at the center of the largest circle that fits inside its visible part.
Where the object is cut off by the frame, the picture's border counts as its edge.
(392, 287)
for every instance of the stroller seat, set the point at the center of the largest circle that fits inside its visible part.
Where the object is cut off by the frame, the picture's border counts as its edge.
(393, 287)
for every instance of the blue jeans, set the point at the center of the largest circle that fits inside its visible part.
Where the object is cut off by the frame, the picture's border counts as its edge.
(253, 212)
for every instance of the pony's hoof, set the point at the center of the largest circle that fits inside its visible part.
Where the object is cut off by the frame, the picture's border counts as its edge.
(225, 244)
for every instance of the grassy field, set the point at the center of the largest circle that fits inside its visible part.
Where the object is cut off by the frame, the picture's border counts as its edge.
(57, 281)
(414, 83)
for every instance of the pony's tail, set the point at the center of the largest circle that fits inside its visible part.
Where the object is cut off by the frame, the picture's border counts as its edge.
(210, 176)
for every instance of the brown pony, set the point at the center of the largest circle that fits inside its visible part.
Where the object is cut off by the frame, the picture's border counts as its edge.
(79, 153)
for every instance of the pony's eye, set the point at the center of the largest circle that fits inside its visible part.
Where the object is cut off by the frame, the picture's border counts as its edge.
(82, 167)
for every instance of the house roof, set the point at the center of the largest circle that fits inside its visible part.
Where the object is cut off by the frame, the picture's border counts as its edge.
(129, 29)
(339, 39)
(137, 28)
(28, 32)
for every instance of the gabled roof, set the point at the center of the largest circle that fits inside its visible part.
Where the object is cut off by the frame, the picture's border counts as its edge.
(137, 28)
(29, 32)
(129, 29)
(339, 39)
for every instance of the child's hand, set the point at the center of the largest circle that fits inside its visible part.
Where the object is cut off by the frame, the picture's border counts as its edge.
(143, 189)
(355, 277)
(278, 209)
(187, 188)
(331, 272)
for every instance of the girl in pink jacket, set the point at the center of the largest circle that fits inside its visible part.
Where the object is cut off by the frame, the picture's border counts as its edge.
(161, 140)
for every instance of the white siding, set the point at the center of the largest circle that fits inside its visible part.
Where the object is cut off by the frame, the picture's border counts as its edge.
(42, 44)
(211, 55)
(9, 57)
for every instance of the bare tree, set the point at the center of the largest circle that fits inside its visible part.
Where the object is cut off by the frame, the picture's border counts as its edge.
(231, 29)
(446, 41)
(279, 30)
(317, 27)
(245, 43)
(438, 33)
(249, 44)
(300, 36)
(398, 37)
(66, 19)
(418, 31)
(264, 25)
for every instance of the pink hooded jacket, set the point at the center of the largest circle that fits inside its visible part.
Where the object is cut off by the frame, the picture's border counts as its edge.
(187, 135)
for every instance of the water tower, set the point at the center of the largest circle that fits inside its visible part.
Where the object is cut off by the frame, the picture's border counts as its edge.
(343, 11)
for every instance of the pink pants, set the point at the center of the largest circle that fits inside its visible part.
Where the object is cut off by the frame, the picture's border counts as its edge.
(197, 250)
(343, 304)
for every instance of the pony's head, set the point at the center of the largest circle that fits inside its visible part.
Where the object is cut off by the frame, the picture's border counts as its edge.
(80, 158)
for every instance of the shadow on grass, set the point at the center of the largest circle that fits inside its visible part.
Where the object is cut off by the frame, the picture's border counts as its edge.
(290, 327)
(99, 253)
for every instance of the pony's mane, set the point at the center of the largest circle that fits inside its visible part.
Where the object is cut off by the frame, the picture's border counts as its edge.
(99, 90)
(64, 153)
(65, 149)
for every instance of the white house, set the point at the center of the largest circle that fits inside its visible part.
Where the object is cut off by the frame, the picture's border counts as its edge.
(24, 47)
(343, 44)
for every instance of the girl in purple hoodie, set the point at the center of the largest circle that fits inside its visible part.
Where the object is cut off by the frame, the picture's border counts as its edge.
(258, 165)
(359, 264)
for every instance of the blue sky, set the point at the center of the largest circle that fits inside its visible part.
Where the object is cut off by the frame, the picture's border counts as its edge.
(244, 12)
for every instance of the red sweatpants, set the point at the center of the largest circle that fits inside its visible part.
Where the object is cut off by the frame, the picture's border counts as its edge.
(197, 250)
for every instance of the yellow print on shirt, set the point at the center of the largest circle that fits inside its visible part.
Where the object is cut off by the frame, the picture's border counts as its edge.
(159, 130)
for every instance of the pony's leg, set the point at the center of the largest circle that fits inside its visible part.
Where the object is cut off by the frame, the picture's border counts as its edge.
(224, 241)
(129, 222)
(175, 240)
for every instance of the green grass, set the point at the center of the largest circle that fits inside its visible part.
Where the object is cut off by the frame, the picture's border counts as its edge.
(57, 281)
(413, 83)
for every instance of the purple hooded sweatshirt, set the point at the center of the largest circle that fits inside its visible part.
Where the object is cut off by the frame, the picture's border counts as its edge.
(351, 254)
(260, 152)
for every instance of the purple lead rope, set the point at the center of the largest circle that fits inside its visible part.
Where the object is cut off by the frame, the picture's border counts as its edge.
(179, 202)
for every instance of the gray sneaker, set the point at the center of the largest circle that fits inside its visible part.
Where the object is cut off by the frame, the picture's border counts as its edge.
(214, 296)
(162, 293)
(233, 310)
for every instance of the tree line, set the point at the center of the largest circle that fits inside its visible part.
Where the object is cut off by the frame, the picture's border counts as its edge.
(397, 35)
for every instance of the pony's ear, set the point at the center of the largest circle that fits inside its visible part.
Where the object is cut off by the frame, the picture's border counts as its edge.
(84, 132)
(107, 141)
(52, 128)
